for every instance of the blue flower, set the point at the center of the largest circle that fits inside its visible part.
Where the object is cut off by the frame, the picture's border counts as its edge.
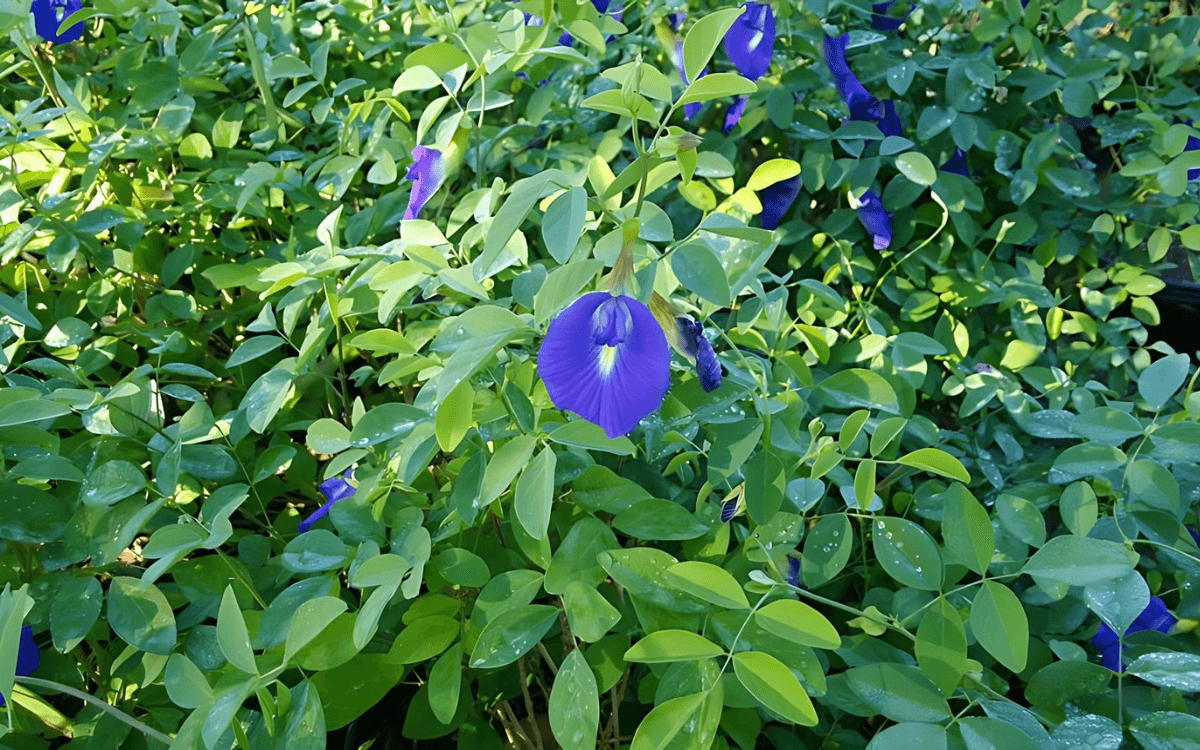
(863, 106)
(566, 40)
(606, 358)
(1193, 143)
(28, 656)
(882, 22)
(1195, 534)
(750, 41)
(1155, 616)
(777, 199)
(426, 174)
(734, 113)
(696, 348)
(793, 574)
(46, 19)
(677, 19)
(875, 219)
(336, 489)
(956, 163)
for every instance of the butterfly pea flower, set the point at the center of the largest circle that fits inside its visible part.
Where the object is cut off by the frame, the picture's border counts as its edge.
(28, 656)
(957, 163)
(335, 489)
(777, 200)
(1155, 616)
(793, 573)
(566, 40)
(698, 350)
(734, 114)
(606, 359)
(677, 19)
(47, 17)
(874, 218)
(862, 104)
(880, 21)
(750, 42)
(426, 174)
(1193, 143)
(1195, 534)
(693, 109)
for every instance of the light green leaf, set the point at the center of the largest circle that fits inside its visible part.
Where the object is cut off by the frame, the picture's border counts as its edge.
(1000, 625)
(799, 623)
(936, 461)
(775, 686)
(574, 705)
(702, 40)
(672, 645)
(708, 582)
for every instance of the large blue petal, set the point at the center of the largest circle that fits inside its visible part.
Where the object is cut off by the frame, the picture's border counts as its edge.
(882, 22)
(28, 656)
(46, 20)
(889, 122)
(1110, 657)
(857, 98)
(777, 199)
(750, 41)
(616, 388)
(426, 174)
(875, 219)
(1155, 616)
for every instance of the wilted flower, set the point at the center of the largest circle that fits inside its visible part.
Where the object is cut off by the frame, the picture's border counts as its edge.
(1155, 616)
(750, 41)
(777, 199)
(882, 22)
(863, 106)
(46, 19)
(696, 348)
(606, 358)
(28, 656)
(426, 174)
(875, 219)
(335, 489)
(957, 163)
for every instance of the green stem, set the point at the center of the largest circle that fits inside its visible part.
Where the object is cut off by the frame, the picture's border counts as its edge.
(107, 708)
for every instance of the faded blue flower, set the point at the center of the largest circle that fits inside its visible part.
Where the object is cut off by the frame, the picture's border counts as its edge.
(862, 104)
(750, 41)
(28, 656)
(697, 349)
(880, 21)
(734, 113)
(47, 17)
(777, 199)
(335, 489)
(957, 163)
(426, 173)
(1155, 616)
(606, 358)
(875, 219)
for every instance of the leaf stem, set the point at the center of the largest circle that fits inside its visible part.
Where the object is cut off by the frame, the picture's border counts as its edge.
(107, 708)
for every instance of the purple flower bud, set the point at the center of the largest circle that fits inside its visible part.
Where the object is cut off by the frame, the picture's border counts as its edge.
(1195, 534)
(46, 19)
(957, 163)
(426, 174)
(875, 219)
(793, 574)
(729, 509)
(734, 114)
(750, 41)
(677, 19)
(335, 489)
(777, 199)
(863, 106)
(696, 347)
(693, 109)
(28, 656)
(606, 358)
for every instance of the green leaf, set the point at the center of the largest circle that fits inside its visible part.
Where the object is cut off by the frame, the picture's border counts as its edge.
(504, 466)
(664, 722)
(657, 519)
(985, 733)
(1159, 382)
(908, 553)
(864, 483)
(799, 623)
(700, 272)
(141, 615)
(716, 86)
(511, 635)
(186, 685)
(967, 529)
(31, 410)
(311, 617)
(917, 168)
(772, 171)
(445, 682)
(305, 728)
(423, 639)
(899, 692)
(827, 549)
(1167, 730)
(314, 551)
(936, 461)
(941, 646)
(1080, 561)
(535, 494)
(909, 735)
(672, 645)
(253, 348)
(583, 434)
(589, 614)
(858, 388)
(702, 40)
(455, 417)
(999, 623)
(232, 634)
(74, 610)
(774, 685)
(522, 197)
(1078, 508)
(708, 582)
(1059, 682)
(563, 222)
(732, 445)
(1086, 460)
(575, 559)
(1180, 671)
(574, 705)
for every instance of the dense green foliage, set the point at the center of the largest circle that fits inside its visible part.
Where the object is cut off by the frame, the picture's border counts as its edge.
(973, 442)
